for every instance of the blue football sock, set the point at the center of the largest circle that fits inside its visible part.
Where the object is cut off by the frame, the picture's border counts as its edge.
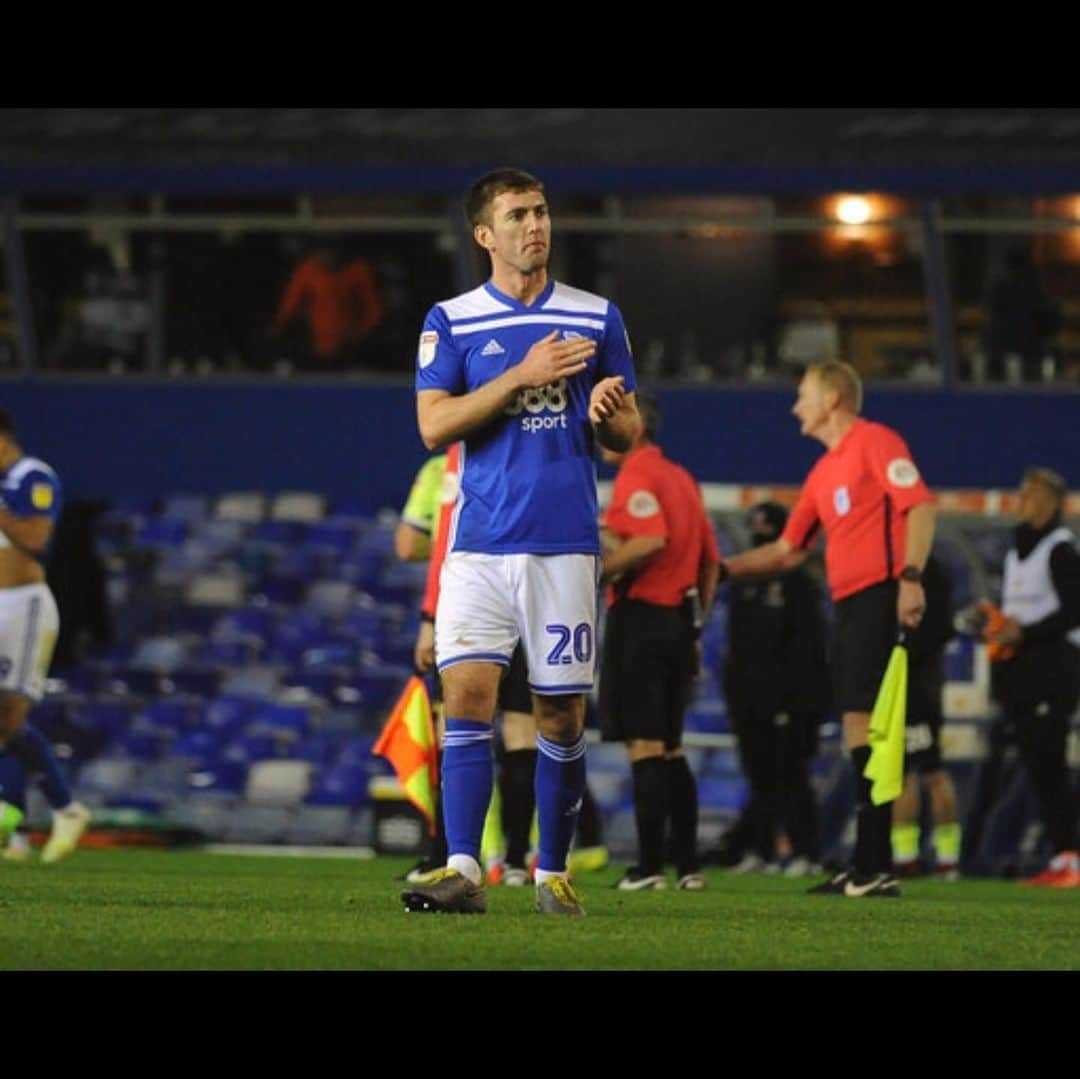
(560, 785)
(33, 752)
(468, 776)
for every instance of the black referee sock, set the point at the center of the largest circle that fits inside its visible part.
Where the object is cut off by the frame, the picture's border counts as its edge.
(437, 849)
(590, 832)
(683, 810)
(650, 812)
(866, 854)
(517, 789)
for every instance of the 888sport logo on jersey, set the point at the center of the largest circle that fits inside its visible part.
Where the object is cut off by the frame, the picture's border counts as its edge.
(544, 407)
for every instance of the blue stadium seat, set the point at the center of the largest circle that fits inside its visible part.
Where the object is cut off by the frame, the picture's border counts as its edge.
(377, 688)
(247, 748)
(340, 785)
(218, 779)
(334, 537)
(330, 654)
(159, 653)
(191, 509)
(161, 532)
(317, 749)
(362, 624)
(279, 719)
(226, 653)
(323, 683)
(707, 717)
(960, 660)
(111, 717)
(194, 680)
(726, 794)
(173, 715)
(282, 533)
(197, 746)
(142, 745)
(250, 625)
(353, 508)
(226, 716)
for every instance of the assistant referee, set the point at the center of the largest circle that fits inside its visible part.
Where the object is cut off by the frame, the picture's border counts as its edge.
(661, 561)
(867, 495)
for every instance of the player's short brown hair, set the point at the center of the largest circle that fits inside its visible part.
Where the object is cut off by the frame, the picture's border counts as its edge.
(483, 192)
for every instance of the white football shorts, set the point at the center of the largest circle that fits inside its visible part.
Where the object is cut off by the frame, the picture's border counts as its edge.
(548, 602)
(29, 624)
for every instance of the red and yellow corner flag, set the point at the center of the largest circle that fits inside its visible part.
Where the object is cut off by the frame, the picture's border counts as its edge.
(887, 722)
(408, 743)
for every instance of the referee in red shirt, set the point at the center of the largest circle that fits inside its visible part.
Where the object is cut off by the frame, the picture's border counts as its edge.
(878, 517)
(661, 563)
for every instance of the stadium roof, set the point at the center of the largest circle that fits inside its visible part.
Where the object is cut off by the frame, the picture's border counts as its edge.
(738, 149)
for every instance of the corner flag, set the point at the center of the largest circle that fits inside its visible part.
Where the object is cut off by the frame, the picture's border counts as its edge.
(408, 742)
(886, 764)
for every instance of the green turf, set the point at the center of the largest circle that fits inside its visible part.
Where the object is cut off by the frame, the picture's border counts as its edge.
(186, 910)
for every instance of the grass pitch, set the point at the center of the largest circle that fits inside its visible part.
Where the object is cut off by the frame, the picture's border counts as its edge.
(196, 910)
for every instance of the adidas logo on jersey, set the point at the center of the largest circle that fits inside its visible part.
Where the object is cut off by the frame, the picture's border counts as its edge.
(492, 348)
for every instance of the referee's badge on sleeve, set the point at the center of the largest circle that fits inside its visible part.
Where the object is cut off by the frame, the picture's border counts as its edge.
(902, 473)
(429, 341)
(642, 504)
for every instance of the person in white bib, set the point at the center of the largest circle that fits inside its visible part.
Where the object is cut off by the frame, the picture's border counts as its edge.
(1038, 686)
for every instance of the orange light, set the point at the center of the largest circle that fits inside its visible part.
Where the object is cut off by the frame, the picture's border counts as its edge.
(852, 210)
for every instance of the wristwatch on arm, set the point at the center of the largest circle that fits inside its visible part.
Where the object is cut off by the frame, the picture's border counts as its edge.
(911, 573)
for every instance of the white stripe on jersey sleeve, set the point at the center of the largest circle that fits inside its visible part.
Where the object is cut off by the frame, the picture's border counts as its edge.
(29, 464)
(565, 298)
(551, 319)
(473, 304)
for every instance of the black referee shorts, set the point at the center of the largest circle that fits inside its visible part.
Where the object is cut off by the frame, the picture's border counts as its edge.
(646, 672)
(864, 633)
(514, 692)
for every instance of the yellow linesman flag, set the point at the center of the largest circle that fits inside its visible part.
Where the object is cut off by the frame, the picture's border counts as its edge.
(886, 765)
(408, 742)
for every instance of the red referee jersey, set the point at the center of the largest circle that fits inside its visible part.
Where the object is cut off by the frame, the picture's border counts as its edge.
(656, 497)
(860, 492)
(448, 498)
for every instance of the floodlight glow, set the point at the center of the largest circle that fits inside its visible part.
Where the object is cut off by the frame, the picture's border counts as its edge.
(853, 210)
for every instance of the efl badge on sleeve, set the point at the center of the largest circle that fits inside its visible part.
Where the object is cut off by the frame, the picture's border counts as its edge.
(41, 496)
(902, 472)
(429, 341)
(642, 504)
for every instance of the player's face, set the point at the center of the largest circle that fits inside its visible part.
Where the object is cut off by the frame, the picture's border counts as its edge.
(1036, 503)
(811, 406)
(520, 232)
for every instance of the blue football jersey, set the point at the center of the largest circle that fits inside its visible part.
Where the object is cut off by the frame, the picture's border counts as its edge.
(30, 488)
(528, 479)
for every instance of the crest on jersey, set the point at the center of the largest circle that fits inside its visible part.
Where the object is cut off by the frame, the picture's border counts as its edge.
(429, 341)
(41, 496)
(572, 335)
(642, 504)
(841, 501)
(902, 472)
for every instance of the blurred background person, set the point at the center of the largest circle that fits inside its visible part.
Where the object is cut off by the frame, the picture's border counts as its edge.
(1036, 651)
(925, 776)
(776, 681)
(338, 305)
(1022, 320)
